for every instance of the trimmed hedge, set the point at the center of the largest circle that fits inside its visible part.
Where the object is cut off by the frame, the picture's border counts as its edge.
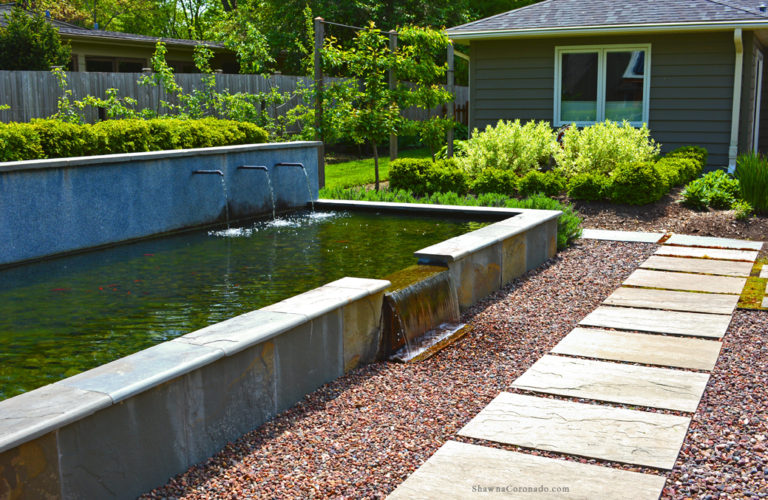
(494, 180)
(547, 183)
(637, 184)
(589, 187)
(54, 139)
(423, 177)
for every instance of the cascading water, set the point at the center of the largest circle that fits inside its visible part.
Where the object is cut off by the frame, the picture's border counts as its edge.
(306, 176)
(269, 183)
(421, 312)
(223, 189)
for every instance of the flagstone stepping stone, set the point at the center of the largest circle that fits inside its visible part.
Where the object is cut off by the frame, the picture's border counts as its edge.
(706, 266)
(673, 301)
(660, 350)
(764, 271)
(686, 282)
(708, 253)
(631, 236)
(656, 321)
(458, 471)
(619, 383)
(603, 432)
(708, 241)
(765, 303)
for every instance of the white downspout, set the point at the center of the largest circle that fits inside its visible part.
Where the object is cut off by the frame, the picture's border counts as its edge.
(733, 149)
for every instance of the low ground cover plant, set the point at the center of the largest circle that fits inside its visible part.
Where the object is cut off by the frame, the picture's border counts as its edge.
(568, 228)
(716, 189)
(55, 139)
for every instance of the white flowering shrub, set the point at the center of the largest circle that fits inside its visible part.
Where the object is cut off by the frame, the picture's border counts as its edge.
(510, 146)
(600, 148)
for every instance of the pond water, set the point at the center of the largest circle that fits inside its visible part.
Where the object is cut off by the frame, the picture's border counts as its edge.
(67, 315)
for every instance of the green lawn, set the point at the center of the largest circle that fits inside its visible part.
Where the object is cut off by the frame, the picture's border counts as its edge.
(360, 172)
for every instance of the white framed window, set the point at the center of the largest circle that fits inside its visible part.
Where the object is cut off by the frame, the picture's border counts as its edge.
(598, 83)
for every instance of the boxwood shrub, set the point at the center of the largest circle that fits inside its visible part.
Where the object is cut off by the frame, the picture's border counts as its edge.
(588, 187)
(546, 183)
(637, 184)
(494, 180)
(423, 177)
(54, 139)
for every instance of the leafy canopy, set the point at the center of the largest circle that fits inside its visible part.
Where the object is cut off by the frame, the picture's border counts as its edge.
(30, 43)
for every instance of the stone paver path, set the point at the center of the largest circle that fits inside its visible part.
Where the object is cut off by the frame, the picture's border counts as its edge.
(764, 272)
(615, 382)
(673, 301)
(661, 350)
(685, 282)
(708, 253)
(708, 241)
(702, 266)
(658, 321)
(458, 471)
(617, 434)
(693, 295)
(630, 236)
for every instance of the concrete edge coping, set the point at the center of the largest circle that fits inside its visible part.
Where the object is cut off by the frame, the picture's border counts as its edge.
(78, 161)
(457, 248)
(43, 410)
(420, 207)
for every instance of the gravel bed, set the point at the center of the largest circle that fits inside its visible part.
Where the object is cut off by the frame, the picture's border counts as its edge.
(724, 454)
(363, 434)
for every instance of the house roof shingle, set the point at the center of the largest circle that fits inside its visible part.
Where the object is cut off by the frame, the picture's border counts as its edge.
(551, 14)
(73, 31)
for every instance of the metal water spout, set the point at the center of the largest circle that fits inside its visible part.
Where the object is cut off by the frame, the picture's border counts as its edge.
(269, 183)
(306, 176)
(223, 187)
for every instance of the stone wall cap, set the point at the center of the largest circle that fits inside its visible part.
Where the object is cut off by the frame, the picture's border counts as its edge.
(30, 415)
(139, 372)
(81, 161)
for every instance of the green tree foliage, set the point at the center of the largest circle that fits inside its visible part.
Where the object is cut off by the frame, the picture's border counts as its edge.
(363, 106)
(30, 43)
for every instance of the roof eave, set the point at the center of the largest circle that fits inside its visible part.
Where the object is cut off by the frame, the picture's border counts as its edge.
(628, 29)
(131, 41)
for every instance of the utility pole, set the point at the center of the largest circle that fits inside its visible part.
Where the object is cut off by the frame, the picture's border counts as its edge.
(319, 133)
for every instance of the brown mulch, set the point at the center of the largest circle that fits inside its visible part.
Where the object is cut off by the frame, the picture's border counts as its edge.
(669, 215)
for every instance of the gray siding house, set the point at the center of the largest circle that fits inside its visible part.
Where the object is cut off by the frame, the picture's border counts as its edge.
(691, 69)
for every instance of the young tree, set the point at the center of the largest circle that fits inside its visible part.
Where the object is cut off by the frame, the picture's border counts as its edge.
(363, 106)
(30, 43)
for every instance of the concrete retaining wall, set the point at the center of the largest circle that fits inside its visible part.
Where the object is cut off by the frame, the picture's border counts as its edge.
(125, 427)
(57, 206)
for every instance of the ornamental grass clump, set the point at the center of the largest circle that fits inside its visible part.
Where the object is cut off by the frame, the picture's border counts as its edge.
(602, 147)
(752, 174)
(510, 146)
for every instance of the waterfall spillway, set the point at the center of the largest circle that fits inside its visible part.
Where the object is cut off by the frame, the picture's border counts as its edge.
(223, 189)
(269, 183)
(421, 308)
(306, 177)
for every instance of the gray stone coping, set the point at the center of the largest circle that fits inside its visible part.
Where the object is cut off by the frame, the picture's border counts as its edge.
(81, 161)
(457, 248)
(515, 221)
(37, 412)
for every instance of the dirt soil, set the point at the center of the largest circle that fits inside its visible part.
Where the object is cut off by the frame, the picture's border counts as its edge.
(669, 215)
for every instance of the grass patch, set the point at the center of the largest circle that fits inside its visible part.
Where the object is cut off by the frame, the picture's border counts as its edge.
(360, 172)
(754, 291)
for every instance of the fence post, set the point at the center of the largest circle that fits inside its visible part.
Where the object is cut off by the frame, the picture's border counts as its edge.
(392, 83)
(451, 105)
(319, 133)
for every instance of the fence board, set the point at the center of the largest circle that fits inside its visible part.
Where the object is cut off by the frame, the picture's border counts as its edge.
(33, 94)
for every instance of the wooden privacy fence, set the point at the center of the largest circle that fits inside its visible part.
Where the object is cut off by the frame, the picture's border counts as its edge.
(33, 94)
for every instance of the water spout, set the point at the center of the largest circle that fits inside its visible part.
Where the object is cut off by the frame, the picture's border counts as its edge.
(306, 176)
(223, 188)
(269, 183)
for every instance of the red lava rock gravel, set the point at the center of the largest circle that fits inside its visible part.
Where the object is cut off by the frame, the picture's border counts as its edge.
(363, 434)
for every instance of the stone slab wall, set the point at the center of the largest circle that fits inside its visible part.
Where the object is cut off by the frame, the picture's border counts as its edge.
(58, 206)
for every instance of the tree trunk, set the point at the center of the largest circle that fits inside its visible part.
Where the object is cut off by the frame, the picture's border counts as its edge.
(376, 164)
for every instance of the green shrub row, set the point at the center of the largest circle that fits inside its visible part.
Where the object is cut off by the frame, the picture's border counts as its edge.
(55, 139)
(639, 183)
(568, 226)
(635, 183)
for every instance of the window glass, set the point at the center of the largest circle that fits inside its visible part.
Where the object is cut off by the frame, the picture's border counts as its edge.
(624, 74)
(102, 65)
(129, 66)
(578, 98)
